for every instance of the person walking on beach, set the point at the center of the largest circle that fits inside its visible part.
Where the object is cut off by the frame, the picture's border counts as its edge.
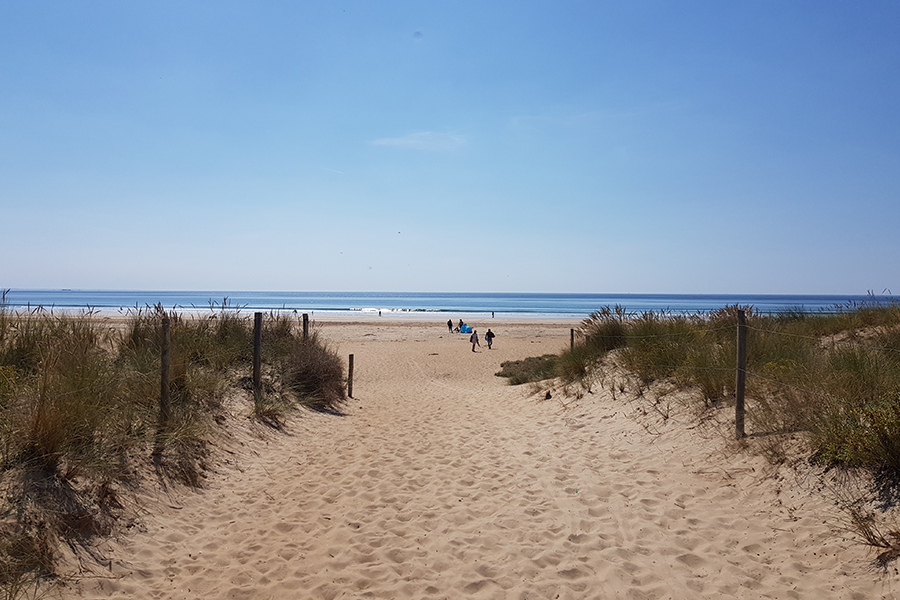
(474, 339)
(450, 325)
(489, 338)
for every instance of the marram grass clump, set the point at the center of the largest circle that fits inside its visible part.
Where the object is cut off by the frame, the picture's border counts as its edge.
(529, 370)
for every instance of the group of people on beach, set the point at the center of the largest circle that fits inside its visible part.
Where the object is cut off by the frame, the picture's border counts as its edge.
(473, 339)
(488, 337)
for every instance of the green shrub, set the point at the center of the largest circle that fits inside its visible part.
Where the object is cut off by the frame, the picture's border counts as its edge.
(529, 370)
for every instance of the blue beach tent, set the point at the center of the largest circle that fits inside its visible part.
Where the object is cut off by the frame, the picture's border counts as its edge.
(465, 329)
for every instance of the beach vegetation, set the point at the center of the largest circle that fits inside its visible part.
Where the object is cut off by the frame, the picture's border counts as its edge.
(529, 370)
(314, 372)
(830, 379)
(834, 377)
(81, 421)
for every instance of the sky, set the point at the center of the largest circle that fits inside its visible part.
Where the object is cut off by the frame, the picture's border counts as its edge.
(466, 146)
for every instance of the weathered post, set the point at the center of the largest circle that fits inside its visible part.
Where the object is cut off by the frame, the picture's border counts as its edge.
(741, 376)
(164, 374)
(350, 378)
(571, 339)
(305, 327)
(257, 352)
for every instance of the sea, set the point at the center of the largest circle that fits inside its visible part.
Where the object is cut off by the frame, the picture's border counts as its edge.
(422, 304)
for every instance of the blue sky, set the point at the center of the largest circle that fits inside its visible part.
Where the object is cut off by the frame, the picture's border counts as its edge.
(628, 147)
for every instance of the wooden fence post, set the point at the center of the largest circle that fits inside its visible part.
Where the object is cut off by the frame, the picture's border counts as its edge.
(164, 374)
(741, 379)
(350, 378)
(305, 327)
(571, 339)
(257, 351)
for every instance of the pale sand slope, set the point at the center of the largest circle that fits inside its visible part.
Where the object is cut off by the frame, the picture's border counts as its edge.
(443, 482)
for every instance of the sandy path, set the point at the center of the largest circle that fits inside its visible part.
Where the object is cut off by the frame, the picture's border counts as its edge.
(443, 482)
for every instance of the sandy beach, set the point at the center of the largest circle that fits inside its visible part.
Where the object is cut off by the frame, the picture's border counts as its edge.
(441, 481)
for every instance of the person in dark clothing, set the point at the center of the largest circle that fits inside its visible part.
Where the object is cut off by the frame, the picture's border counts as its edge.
(489, 338)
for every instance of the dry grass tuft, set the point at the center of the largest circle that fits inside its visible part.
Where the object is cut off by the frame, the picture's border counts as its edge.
(529, 370)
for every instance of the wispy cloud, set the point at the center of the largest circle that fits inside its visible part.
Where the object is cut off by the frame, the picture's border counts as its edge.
(427, 141)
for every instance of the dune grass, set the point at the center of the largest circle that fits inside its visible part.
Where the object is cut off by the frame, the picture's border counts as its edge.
(529, 370)
(79, 414)
(832, 378)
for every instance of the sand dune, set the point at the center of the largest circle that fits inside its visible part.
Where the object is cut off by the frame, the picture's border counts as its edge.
(443, 482)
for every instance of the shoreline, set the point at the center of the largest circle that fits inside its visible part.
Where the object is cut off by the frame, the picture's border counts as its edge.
(466, 318)
(525, 306)
(414, 319)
